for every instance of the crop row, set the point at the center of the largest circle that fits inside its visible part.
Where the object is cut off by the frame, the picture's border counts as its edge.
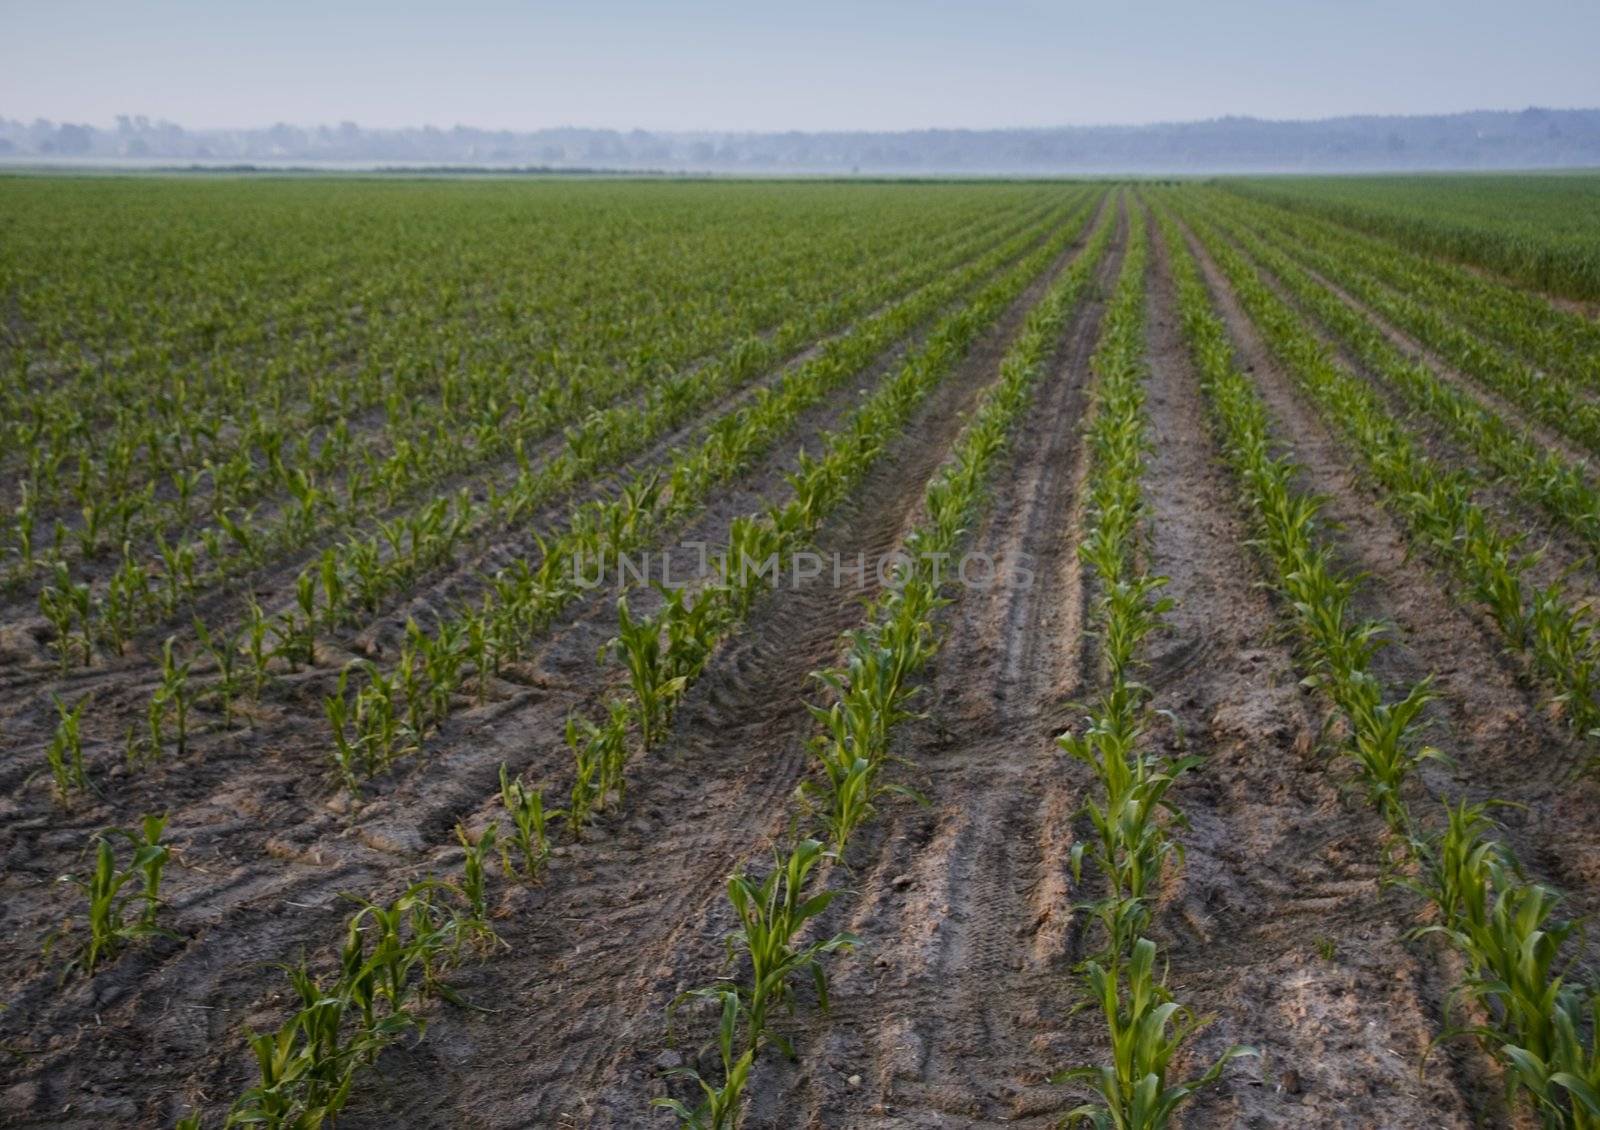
(247, 454)
(664, 653)
(396, 954)
(597, 407)
(761, 545)
(1540, 475)
(425, 536)
(1132, 812)
(525, 601)
(419, 356)
(1537, 230)
(1557, 340)
(1563, 404)
(402, 703)
(1436, 502)
(1539, 1024)
(869, 694)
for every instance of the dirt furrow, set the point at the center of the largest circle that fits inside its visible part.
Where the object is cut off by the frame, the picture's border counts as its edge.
(958, 903)
(1276, 921)
(1561, 555)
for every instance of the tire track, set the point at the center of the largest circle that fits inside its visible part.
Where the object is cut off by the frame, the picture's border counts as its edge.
(959, 904)
(1488, 716)
(1276, 921)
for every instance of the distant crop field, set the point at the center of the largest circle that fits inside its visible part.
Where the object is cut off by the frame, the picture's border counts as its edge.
(1543, 231)
(513, 652)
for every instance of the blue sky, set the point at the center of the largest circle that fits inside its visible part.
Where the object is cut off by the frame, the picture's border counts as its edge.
(874, 64)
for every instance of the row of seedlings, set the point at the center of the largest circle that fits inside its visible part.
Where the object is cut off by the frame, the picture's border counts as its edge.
(1133, 814)
(1515, 948)
(1556, 634)
(309, 1065)
(868, 693)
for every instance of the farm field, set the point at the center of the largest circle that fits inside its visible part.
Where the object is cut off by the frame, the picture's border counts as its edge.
(1538, 230)
(1118, 650)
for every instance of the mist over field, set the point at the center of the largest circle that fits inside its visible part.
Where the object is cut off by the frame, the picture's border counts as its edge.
(1528, 139)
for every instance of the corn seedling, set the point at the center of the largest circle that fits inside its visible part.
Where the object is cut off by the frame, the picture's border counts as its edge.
(67, 604)
(255, 633)
(588, 745)
(65, 751)
(347, 755)
(655, 688)
(772, 914)
(1147, 1030)
(719, 1109)
(174, 696)
(224, 651)
(475, 881)
(525, 806)
(111, 891)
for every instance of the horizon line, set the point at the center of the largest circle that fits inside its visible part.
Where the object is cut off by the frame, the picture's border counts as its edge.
(698, 130)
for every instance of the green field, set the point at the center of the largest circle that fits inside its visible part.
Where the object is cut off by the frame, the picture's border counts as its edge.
(1543, 231)
(503, 652)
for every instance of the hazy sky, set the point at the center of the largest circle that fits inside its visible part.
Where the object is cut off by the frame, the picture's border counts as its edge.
(812, 64)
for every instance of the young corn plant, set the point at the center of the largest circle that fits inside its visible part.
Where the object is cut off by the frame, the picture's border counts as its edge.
(1132, 844)
(387, 730)
(293, 633)
(174, 697)
(692, 629)
(127, 596)
(719, 1108)
(475, 882)
(1147, 1029)
(307, 1066)
(67, 604)
(331, 575)
(525, 806)
(655, 687)
(1385, 740)
(111, 892)
(772, 914)
(870, 693)
(755, 549)
(588, 745)
(225, 655)
(27, 517)
(1565, 1079)
(611, 741)
(346, 753)
(64, 754)
(1507, 930)
(178, 572)
(256, 627)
